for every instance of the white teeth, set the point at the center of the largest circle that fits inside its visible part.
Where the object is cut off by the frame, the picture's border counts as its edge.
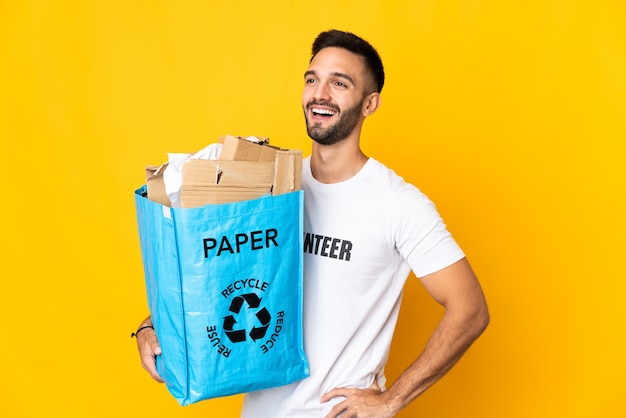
(323, 112)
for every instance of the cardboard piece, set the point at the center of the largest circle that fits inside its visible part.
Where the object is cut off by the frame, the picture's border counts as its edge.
(287, 171)
(245, 170)
(155, 184)
(236, 148)
(206, 181)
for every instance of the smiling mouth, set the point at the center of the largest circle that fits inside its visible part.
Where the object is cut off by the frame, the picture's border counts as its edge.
(322, 112)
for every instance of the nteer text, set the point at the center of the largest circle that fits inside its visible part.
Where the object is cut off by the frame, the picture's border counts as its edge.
(327, 246)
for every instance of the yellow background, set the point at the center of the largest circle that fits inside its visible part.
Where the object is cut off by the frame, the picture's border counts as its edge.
(511, 116)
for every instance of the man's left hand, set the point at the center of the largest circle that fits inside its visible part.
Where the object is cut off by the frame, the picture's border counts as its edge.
(359, 403)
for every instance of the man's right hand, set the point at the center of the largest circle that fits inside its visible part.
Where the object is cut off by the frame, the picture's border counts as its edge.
(149, 348)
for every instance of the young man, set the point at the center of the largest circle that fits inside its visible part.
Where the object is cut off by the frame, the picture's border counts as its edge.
(383, 228)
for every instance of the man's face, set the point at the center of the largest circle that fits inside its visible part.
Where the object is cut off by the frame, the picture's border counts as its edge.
(334, 91)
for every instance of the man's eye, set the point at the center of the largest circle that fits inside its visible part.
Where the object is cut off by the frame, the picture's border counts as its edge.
(340, 84)
(309, 81)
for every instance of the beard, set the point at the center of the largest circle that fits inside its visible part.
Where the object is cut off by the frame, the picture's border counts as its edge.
(338, 131)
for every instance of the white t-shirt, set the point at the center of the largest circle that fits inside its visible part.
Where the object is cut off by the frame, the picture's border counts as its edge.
(362, 238)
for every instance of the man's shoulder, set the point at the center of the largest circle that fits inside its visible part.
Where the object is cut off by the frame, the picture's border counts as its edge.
(380, 173)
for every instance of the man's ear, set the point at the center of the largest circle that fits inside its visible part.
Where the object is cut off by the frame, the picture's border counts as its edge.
(371, 104)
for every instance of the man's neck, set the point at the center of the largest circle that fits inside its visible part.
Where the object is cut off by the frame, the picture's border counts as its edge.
(338, 162)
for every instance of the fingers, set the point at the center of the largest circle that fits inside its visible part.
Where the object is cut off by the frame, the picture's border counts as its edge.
(341, 406)
(347, 392)
(369, 402)
(337, 392)
(149, 349)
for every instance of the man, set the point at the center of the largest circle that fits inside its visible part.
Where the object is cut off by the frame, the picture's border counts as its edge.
(387, 228)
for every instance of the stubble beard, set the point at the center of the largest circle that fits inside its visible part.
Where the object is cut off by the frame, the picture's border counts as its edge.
(336, 132)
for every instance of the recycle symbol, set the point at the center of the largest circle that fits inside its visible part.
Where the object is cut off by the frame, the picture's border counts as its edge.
(264, 317)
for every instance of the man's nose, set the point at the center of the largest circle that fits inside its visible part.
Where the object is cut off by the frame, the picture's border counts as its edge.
(322, 92)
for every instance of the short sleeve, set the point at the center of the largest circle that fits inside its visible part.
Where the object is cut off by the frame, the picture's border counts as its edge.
(420, 234)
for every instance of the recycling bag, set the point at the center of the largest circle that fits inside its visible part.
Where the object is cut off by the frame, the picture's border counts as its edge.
(224, 287)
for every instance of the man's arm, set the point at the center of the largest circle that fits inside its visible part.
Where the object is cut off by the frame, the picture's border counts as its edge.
(466, 317)
(149, 348)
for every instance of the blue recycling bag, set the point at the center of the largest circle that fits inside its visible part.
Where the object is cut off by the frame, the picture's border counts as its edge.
(224, 286)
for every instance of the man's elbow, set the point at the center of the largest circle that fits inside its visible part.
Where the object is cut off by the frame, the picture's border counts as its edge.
(481, 319)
